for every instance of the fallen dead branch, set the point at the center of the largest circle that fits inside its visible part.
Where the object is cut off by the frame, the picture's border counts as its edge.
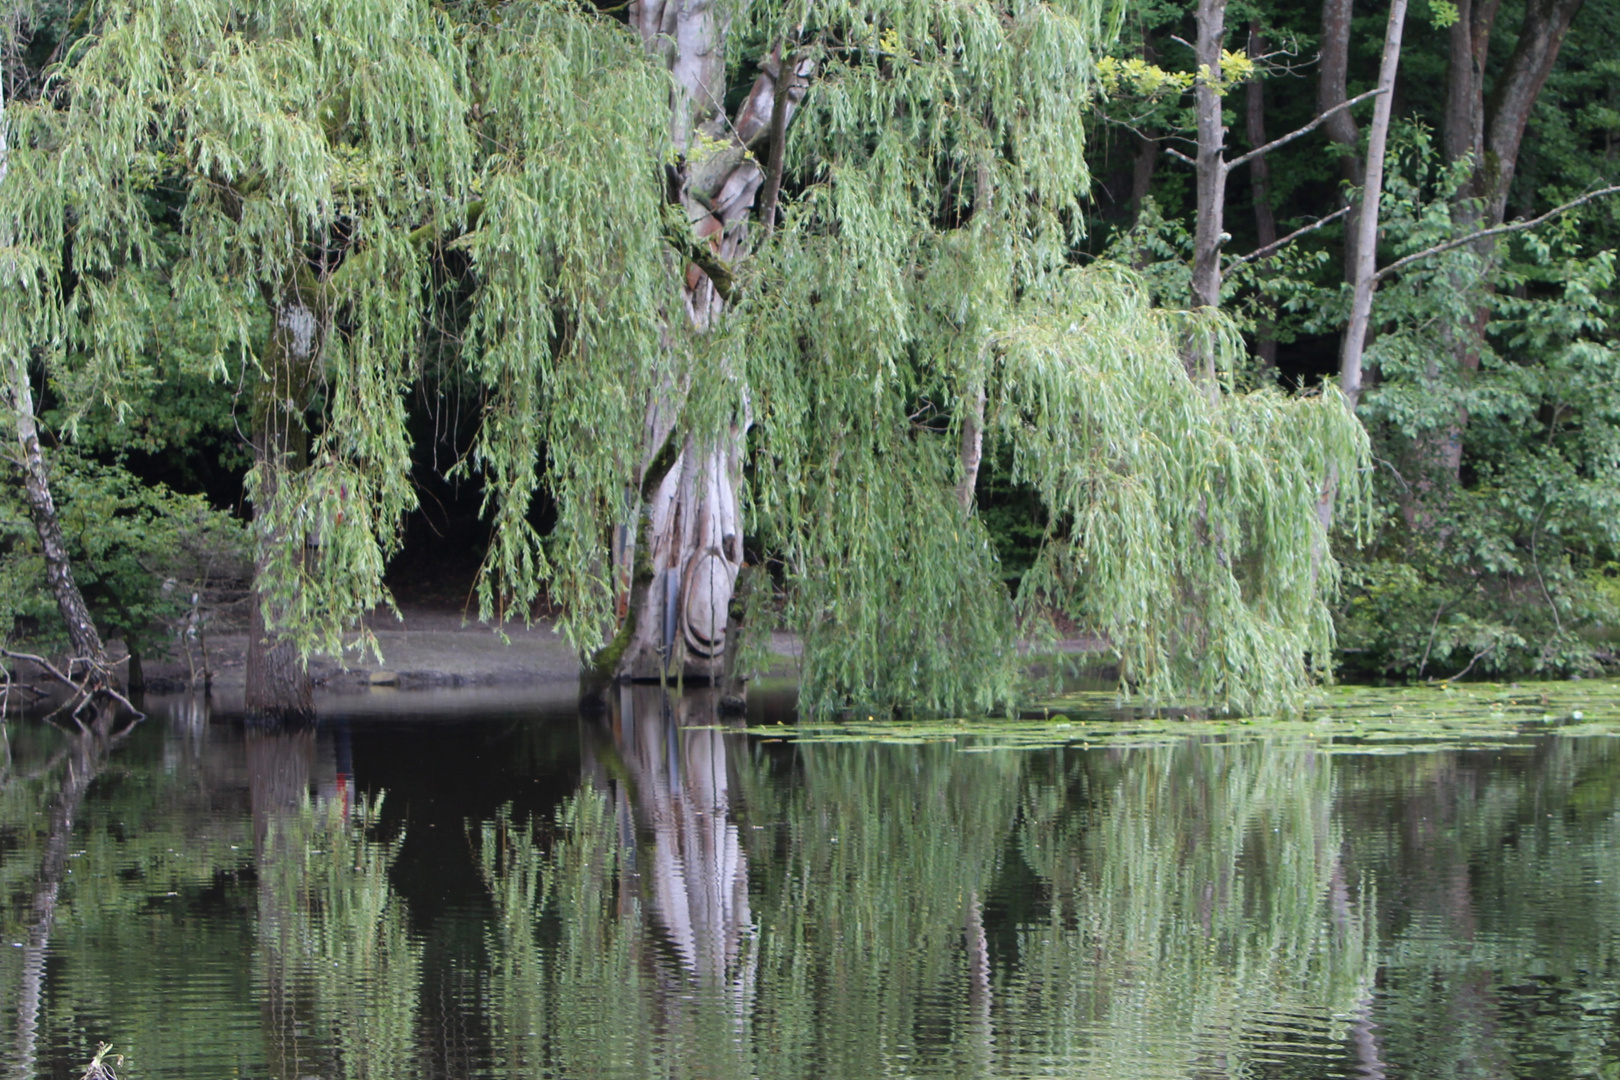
(94, 683)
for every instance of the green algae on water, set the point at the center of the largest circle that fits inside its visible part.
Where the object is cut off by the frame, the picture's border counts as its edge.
(1349, 719)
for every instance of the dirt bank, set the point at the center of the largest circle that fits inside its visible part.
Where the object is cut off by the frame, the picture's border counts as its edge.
(428, 648)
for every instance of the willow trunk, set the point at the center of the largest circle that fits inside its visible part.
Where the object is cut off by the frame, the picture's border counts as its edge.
(681, 566)
(278, 686)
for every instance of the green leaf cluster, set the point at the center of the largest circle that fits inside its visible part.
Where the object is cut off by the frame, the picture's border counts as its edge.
(140, 552)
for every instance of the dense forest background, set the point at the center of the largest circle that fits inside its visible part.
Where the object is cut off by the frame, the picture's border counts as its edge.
(1058, 173)
(1496, 555)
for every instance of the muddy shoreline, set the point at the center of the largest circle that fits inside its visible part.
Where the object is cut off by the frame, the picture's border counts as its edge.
(431, 650)
(423, 649)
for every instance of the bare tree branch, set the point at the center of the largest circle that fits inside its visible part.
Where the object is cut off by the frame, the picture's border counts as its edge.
(1297, 132)
(1179, 156)
(1260, 253)
(83, 691)
(1500, 230)
(787, 69)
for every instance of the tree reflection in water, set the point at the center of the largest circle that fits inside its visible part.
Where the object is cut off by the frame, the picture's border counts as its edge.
(341, 976)
(71, 770)
(674, 753)
(1157, 911)
(709, 904)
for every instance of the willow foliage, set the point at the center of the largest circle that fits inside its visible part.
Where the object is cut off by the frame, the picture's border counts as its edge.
(924, 262)
(574, 285)
(308, 145)
(339, 152)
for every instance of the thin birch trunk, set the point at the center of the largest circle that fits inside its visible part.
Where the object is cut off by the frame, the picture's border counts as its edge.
(1364, 282)
(83, 638)
(1210, 234)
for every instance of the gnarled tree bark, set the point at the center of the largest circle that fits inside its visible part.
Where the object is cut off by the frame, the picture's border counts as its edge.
(678, 570)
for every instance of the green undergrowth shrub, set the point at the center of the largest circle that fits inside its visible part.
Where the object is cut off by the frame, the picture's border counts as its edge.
(140, 552)
(1504, 562)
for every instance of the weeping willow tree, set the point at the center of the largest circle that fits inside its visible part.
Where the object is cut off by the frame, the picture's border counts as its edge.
(917, 308)
(863, 285)
(316, 147)
(803, 319)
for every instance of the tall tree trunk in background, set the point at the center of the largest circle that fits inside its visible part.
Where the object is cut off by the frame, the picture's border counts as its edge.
(278, 684)
(1210, 232)
(1143, 165)
(83, 638)
(1209, 235)
(679, 569)
(1362, 278)
(1462, 138)
(1145, 152)
(1265, 221)
(1332, 89)
(1514, 94)
(1212, 168)
(1486, 130)
(1462, 133)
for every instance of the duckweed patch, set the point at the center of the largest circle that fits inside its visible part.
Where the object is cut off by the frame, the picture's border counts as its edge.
(1350, 719)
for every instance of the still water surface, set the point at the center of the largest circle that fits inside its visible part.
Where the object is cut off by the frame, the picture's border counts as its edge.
(483, 888)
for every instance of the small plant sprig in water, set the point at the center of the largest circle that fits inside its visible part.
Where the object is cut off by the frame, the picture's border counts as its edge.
(98, 1069)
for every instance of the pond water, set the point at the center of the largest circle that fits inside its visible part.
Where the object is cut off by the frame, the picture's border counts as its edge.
(458, 887)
